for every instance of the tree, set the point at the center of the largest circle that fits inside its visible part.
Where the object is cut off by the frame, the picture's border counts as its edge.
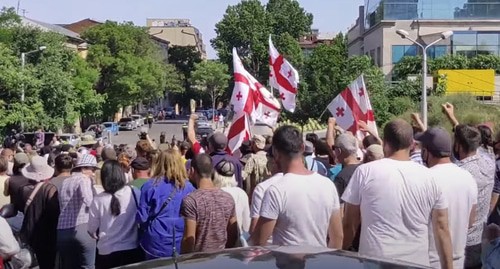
(131, 68)
(183, 58)
(213, 77)
(247, 26)
(53, 80)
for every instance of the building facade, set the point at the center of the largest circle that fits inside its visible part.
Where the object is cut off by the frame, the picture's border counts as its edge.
(312, 40)
(476, 27)
(178, 32)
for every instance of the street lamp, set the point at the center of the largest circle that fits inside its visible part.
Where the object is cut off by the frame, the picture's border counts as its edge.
(23, 63)
(405, 35)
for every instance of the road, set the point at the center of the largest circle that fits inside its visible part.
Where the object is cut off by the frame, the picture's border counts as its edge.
(174, 127)
(170, 127)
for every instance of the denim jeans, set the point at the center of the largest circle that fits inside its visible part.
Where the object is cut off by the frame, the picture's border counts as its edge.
(76, 248)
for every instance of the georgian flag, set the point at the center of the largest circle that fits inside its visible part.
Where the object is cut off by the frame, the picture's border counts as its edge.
(283, 77)
(242, 98)
(238, 132)
(353, 105)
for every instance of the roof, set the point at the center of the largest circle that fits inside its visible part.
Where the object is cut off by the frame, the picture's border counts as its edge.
(81, 25)
(51, 27)
(274, 257)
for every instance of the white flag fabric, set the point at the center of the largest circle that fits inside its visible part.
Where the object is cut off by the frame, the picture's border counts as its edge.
(283, 77)
(268, 107)
(239, 131)
(242, 98)
(353, 105)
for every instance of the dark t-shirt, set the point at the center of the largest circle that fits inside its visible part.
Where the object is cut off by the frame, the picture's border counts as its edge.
(211, 209)
(342, 179)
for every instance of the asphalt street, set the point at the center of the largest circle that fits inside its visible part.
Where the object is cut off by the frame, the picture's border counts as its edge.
(174, 127)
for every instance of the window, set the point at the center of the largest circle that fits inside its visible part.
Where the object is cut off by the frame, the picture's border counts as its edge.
(399, 51)
(437, 51)
(472, 43)
(379, 57)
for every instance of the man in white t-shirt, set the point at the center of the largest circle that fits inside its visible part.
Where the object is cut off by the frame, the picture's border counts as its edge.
(260, 190)
(457, 185)
(302, 208)
(396, 199)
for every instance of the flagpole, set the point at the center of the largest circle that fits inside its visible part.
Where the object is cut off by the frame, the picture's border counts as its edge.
(324, 111)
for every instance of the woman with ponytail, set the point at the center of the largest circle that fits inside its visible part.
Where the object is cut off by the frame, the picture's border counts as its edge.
(112, 219)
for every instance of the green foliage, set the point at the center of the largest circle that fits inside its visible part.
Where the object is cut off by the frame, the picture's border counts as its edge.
(58, 85)
(247, 26)
(467, 110)
(211, 77)
(131, 68)
(408, 65)
(184, 59)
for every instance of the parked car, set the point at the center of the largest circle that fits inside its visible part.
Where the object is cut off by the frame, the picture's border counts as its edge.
(127, 124)
(112, 127)
(203, 122)
(139, 120)
(92, 130)
(71, 139)
(170, 113)
(274, 257)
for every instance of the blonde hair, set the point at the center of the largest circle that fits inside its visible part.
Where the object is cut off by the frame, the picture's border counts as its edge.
(221, 181)
(169, 165)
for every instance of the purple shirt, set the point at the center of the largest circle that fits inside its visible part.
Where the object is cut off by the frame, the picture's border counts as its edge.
(75, 198)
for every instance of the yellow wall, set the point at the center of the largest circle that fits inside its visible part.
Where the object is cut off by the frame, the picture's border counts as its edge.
(474, 82)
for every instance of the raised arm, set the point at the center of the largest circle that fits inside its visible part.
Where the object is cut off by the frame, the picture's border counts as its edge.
(330, 132)
(449, 112)
(191, 133)
(417, 122)
(366, 129)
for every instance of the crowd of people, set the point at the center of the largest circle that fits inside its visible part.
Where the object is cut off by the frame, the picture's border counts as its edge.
(419, 195)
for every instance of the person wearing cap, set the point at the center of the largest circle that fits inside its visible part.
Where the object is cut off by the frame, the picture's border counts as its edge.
(217, 144)
(396, 201)
(38, 201)
(255, 170)
(203, 232)
(224, 178)
(310, 160)
(457, 185)
(302, 207)
(140, 172)
(75, 246)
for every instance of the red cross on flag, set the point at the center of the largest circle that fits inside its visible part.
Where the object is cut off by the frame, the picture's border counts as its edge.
(283, 77)
(242, 97)
(268, 107)
(353, 105)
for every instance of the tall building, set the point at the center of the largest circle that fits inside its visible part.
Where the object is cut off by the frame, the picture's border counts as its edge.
(475, 23)
(179, 32)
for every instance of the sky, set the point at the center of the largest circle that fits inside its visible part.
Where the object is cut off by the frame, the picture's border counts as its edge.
(329, 15)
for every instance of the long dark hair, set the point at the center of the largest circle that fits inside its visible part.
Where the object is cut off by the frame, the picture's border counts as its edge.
(113, 180)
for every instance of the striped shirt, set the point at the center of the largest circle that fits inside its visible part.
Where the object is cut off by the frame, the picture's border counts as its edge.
(211, 209)
(75, 198)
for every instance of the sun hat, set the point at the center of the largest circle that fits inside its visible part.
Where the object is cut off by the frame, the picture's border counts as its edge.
(21, 158)
(87, 140)
(38, 169)
(86, 160)
(259, 141)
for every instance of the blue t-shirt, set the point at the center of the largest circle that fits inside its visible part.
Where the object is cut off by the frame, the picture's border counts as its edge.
(158, 233)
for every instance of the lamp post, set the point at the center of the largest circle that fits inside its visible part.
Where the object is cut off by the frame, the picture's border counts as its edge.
(23, 63)
(405, 35)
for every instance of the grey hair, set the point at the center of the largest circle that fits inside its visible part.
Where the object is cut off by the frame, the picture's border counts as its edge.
(222, 181)
(346, 142)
